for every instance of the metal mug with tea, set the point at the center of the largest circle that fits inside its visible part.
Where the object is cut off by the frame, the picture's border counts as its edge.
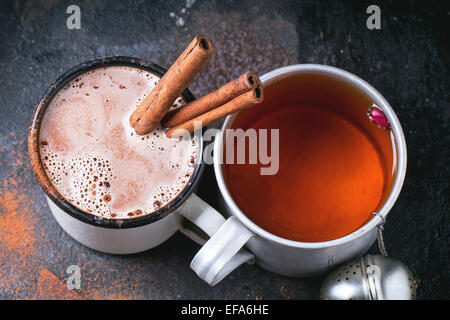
(280, 255)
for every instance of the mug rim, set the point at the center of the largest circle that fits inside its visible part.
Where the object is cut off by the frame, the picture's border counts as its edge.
(41, 175)
(399, 165)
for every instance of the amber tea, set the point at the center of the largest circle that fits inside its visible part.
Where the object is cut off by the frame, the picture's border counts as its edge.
(335, 164)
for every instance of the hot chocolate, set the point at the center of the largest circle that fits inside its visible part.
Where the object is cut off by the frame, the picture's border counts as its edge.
(95, 159)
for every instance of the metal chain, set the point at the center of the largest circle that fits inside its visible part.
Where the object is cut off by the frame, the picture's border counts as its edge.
(380, 227)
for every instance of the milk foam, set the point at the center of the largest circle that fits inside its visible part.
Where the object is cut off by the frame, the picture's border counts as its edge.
(96, 160)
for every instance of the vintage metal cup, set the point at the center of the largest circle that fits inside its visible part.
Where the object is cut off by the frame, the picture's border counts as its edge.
(283, 256)
(187, 213)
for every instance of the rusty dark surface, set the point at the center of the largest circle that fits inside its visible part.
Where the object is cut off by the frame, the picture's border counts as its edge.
(407, 61)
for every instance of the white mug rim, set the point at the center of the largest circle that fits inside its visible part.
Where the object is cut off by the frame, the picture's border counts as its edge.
(400, 164)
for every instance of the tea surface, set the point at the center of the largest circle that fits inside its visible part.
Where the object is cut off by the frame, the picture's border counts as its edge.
(333, 172)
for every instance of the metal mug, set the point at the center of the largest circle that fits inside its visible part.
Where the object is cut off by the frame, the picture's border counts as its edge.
(283, 256)
(187, 213)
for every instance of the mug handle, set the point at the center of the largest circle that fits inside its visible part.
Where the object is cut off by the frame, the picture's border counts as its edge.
(224, 251)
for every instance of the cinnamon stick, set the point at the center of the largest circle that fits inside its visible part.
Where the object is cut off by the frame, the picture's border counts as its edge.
(229, 91)
(151, 111)
(239, 103)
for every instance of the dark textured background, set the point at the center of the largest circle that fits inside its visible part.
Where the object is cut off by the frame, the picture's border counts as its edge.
(407, 61)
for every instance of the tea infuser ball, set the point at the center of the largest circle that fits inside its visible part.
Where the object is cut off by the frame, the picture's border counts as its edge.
(371, 277)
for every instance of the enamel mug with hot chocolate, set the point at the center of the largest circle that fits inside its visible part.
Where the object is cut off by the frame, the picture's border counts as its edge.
(186, 212)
